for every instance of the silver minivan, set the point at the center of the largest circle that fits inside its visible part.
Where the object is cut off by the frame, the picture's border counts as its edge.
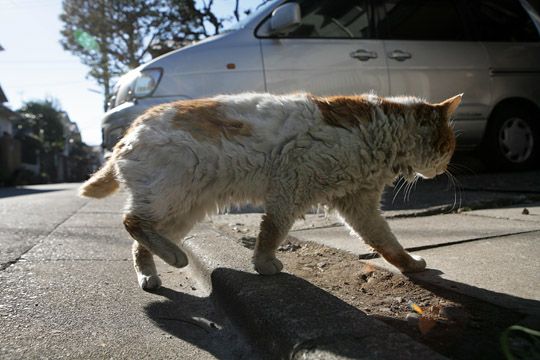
(487, 49)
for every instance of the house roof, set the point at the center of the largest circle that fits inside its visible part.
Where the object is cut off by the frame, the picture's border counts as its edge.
(3, 97)
(8, 114)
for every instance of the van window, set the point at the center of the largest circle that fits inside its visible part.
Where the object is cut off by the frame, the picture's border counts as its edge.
(420, 20)
(502, 20)
(332, 19)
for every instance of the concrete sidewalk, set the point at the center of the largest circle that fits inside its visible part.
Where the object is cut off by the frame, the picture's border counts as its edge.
(71, 290)
(68, 289)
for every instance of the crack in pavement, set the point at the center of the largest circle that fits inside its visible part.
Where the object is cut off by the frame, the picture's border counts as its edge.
(450, 243)
(40, 238)
(534, 216)
(68, 259)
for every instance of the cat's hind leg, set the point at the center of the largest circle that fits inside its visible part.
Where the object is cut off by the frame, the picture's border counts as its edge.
(144, 232)
(143, 260)
(362, 213)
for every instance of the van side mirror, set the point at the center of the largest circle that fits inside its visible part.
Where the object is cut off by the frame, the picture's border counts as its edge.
(285, 18)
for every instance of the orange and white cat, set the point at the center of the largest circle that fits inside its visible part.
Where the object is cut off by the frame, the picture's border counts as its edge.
(181, 161)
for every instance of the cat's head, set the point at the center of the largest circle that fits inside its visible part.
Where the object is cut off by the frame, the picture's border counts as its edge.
(437, 139)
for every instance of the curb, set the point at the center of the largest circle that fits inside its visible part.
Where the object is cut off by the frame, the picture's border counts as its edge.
(287, 317)
(464, 207)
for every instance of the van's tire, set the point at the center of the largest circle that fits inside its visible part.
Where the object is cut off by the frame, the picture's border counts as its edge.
(512, 139)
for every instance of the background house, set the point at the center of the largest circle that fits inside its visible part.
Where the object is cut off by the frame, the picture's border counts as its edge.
(10, 148)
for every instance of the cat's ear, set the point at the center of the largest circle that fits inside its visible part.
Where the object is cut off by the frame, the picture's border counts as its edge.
(450, 105)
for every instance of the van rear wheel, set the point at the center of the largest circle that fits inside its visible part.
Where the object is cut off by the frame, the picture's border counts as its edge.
(512, 140)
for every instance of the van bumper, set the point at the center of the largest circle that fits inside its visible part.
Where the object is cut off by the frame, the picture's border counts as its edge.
(116, 121)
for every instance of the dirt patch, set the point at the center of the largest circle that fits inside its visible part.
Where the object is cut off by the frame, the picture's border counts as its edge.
(455, 325)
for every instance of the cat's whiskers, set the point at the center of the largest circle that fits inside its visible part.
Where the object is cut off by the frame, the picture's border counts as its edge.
(409, 188)
(457, 190)
(401, 182)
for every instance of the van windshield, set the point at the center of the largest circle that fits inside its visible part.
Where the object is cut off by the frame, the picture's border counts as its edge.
(259, 10)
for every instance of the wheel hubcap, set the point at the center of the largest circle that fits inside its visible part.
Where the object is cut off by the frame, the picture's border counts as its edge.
(516, 140)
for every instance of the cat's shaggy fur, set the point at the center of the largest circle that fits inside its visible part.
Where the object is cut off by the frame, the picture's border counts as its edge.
(181, 161)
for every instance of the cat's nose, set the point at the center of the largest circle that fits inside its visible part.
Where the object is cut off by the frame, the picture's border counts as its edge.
(428, 174)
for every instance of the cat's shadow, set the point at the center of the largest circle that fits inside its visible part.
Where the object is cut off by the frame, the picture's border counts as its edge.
(479, 316)
(433, 280)
(195, 320)
(308, 317)
(305, 318)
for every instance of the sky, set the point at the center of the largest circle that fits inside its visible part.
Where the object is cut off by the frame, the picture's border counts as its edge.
(34, 66)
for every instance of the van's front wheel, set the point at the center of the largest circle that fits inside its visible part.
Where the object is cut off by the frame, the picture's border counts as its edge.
(512, 140)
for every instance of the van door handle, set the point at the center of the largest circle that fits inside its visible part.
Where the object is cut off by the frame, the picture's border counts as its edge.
(363, 55)
(399, 55)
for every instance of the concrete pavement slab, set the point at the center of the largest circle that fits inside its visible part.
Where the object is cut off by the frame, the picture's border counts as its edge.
(113, 204)
(95, 310)
(83, 243)
(29, 214)
(504, 270)
(95, 220)
(424, 231)
(15, 242)
(41, 211)
(513, 213)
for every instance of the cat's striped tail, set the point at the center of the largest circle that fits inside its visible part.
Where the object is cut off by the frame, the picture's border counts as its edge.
(102, 183)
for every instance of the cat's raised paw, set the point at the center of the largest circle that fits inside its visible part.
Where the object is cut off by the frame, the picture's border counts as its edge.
(181, 260)
(176, 258)
(268, 267)
(149, 282)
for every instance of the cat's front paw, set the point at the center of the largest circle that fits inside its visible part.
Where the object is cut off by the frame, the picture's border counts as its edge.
(267, 266)
(415, 264)
(149, 282)
(405, 262)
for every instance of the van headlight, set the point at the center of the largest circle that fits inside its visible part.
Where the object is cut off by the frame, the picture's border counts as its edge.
(137, 84)
(146, 82)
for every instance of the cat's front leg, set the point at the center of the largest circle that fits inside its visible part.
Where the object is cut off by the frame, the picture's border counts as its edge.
(274, 227)
(362, 213)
